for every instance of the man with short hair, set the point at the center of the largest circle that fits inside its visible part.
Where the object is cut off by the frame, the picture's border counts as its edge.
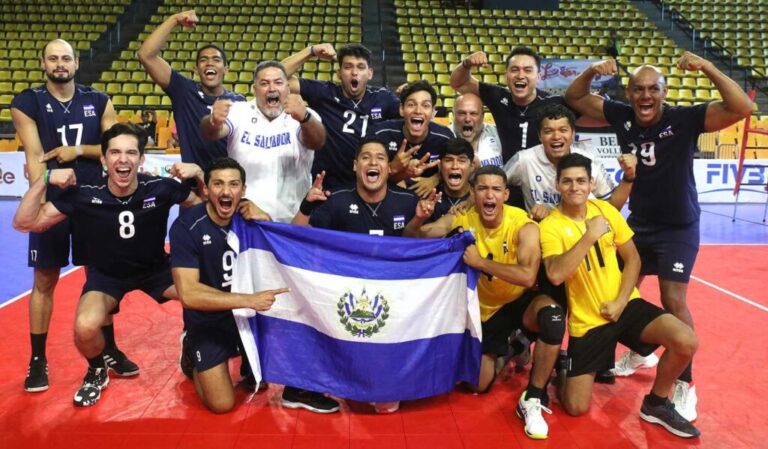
(507, 254)
(190, 100)
(456, 166)
(580, 241)
(202, 263)
(534, 168)
(415, 141)
(273, 137)
(59, 124)
(469, 124)
(125, 217)
(664, 206)
(349, 110)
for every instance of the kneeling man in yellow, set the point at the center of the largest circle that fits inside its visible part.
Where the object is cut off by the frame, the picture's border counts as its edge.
(507, 254)
(579, 241)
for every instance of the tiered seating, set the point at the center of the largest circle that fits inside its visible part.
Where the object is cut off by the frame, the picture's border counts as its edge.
(24, 30)
(737, 26)
(434, 39)
(247, 30)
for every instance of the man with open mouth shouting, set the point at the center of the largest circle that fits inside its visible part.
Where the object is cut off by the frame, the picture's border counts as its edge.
(273, 137)
(415, 141)
(469, 124)
(190, 100)
(349, 110)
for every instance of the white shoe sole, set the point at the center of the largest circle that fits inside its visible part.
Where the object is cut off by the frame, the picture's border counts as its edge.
(672, 430)
(295, 405)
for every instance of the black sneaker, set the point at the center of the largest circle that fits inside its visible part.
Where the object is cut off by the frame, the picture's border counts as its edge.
(186, 364)
(249, 383)
(117, 361)
(605, 377)
(309, 400)
(37, 375)
(666, 416)
(96, 379)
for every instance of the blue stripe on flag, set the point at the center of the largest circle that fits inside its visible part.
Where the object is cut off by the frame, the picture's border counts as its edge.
(297, 355)
(357, 255)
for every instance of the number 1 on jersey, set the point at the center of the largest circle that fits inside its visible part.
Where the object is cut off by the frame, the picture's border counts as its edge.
(63, 132)
(524, 128)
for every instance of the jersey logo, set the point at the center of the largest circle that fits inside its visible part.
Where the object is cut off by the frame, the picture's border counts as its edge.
(48, 108)
(666, 132)
(201, 94)
(376, 114)
(504, 101)
(504, 247)
(149, 202)
(337, 99)
(95, 200)
(398, 222)
(362, 316)
(206, 239)
(678, 267)
(627, 125)
(89, 110)
(393, 146)
(353, 209)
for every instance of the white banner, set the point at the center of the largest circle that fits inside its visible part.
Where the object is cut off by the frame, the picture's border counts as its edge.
(13, 175)
(557, 74)
(604, 145)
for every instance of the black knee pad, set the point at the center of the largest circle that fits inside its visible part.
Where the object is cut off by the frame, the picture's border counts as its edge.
(551, 320)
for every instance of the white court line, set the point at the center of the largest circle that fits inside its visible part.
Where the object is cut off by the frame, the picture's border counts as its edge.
(13, 300)
(729, 293)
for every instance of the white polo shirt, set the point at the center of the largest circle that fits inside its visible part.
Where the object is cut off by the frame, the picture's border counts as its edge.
(277, 165)
(531, 170)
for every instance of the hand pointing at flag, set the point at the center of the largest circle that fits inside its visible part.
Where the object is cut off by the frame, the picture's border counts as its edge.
(262, 301)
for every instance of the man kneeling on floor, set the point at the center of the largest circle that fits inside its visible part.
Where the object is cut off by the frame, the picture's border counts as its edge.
(579, 241)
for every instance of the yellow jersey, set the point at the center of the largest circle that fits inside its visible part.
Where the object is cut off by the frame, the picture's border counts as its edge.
(499, 245)
(598, 277)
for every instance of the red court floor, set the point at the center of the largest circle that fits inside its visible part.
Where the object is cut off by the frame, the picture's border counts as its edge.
(159, 409)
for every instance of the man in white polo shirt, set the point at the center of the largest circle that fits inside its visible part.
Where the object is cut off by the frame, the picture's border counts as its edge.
(273, 137)
(469, 124)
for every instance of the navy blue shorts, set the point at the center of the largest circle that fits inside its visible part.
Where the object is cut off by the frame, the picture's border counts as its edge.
(665, 250)
(153, 283)
(50, 249)
(595, 350)
(209, 345)
(509, 318)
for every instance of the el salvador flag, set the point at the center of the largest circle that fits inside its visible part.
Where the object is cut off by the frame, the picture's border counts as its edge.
(368, 318)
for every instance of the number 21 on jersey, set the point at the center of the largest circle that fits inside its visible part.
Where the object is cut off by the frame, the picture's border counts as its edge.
(350, 117)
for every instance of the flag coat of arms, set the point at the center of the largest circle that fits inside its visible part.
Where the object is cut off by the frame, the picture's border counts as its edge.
(368, 318)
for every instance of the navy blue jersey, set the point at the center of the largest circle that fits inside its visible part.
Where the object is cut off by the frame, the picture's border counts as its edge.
(346, 122)
(517, 125)
(344, 210)
(445, 204)
(197, 242)
(665, 189)
(391, 133)
(126, 236)
(190, 104)
(76, 122)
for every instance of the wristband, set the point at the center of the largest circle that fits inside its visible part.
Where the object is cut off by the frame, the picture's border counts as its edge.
(46, 174)
(306, 118)
(464, 64)
(307, 207)
(311, 50)
(78, 150)
(626, 178)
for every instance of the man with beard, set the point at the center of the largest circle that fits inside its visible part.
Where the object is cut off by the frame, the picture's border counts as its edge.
(468, 123)
(415, 141)
(59, 124)
(202, 263)
(273, 137)
(664, 205)
(190, 100)
(349, 110)
(125, 216)
(507, 255)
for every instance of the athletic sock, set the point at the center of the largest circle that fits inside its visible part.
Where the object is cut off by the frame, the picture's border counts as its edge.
(534, 392)
(38, 344)
(655, 401)
(687, 374)
(96, 362)
(109, 336)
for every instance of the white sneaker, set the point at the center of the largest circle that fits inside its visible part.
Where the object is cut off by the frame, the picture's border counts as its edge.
(685, 400)
(631, 361)
(386, 407)
(530, 410)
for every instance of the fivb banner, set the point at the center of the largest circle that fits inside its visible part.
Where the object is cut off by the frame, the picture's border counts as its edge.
(368, 318)
(557, 74)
